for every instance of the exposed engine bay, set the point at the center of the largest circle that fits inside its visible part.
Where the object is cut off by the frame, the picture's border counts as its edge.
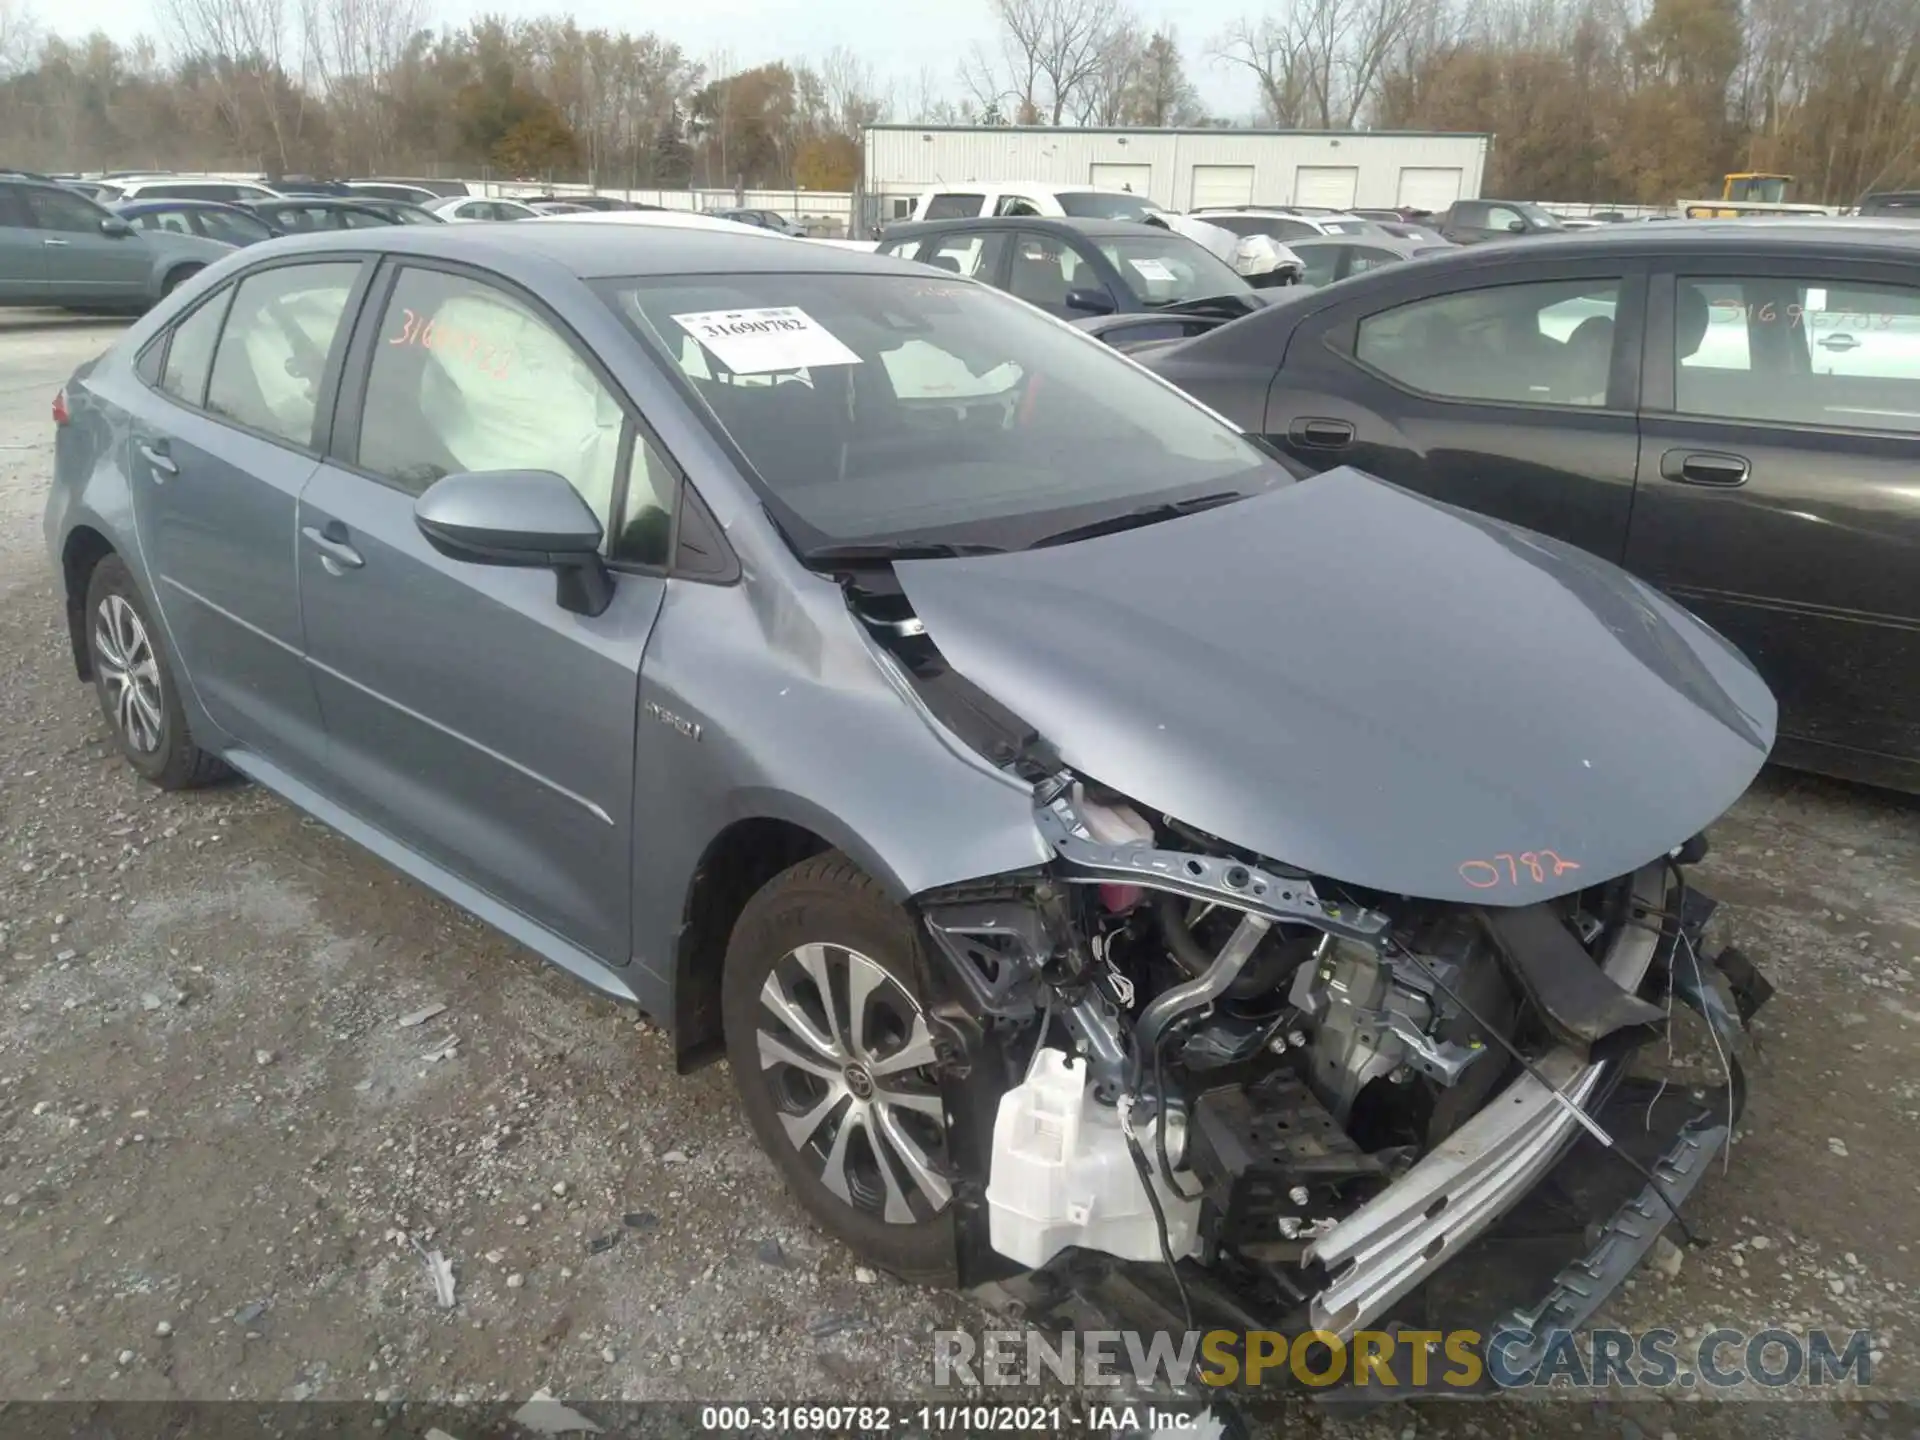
(1328, 1092)
(1300, 1067)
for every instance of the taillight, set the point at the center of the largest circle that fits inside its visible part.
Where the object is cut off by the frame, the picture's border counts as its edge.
(60, 415)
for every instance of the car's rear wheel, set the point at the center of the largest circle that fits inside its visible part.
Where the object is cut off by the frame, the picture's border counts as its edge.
(825, 1013)
(177, 277)
(133, 676)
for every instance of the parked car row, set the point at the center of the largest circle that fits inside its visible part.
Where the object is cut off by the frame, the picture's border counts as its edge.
(1729, 410)
(59, 248)
(123, 242)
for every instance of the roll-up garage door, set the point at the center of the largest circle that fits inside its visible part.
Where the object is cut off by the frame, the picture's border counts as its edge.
(1122, 177)
(1329, 187)
(1220, 185)
(1428, 188)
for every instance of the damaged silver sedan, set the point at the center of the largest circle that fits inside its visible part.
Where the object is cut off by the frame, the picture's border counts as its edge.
(1112, 864)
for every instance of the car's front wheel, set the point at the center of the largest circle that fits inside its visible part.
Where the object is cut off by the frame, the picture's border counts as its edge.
(827, 1036)
(135, 682)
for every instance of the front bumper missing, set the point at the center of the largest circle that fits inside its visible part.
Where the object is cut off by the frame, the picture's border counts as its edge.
(1540, 1223)
(1393, 1242)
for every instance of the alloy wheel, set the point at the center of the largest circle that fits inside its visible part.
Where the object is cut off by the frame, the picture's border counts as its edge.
(130, 672)
(848, 1057)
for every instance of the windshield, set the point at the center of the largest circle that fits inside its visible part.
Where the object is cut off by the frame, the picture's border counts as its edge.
(1346, 227)
(1167, 269)
(879, 408)
(1544, 219)
(1103, 205)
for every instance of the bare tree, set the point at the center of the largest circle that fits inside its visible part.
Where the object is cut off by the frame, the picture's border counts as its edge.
(1048, 59)
(854, 98)
(1319, 62)
(243, 46)
(352, 49)
(19, 36)
(1274, 49)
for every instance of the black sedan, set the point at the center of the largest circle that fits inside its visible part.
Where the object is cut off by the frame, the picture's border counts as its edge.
(1732, 411)
(215, 219)
(298, 214)
(1076, 268)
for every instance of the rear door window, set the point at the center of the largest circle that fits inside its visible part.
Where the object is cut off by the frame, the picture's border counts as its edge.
(272, 355)
(955, 205)
(172, 222)
(231, 226)
(1322, 263)
(1799, 350)
(1540, 344)
(1368, 257)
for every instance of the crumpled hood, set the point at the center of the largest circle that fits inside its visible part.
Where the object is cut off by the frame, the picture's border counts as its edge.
(1370, 685)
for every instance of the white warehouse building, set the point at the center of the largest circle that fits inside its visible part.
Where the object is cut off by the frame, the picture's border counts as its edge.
(1182, 169)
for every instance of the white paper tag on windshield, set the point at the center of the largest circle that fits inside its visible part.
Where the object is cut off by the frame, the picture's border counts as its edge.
(1151, 269)
(756, 342)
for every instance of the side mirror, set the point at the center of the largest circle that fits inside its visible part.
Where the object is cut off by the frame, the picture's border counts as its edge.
(1517, 227)
(115, 226)
(525, 519)
(1090, 302)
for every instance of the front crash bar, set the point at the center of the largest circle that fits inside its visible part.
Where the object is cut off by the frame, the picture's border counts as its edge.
(1226, 882)
(1405, 1233)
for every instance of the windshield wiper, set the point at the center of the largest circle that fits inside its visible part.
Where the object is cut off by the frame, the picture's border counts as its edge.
(884, 551)
(1134, 519)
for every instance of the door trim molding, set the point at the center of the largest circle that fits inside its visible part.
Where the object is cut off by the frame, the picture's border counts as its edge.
(507, 760)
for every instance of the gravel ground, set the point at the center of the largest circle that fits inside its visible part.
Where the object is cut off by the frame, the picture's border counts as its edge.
(222, 1155)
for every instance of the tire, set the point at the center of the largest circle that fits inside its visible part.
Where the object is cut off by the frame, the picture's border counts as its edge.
(177, 277)
(134, 677)
(827, 917)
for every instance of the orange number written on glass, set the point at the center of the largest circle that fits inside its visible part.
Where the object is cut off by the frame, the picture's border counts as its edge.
(490, 359)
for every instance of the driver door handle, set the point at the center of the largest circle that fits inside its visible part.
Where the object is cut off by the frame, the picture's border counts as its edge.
(336, 555)
(1321, 434)
(157, 457)
(54, 242)
(1704, 467)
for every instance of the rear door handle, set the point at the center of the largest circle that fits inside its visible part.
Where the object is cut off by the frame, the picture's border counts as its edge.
(1321, 434)
(156, 456)
(1705, 467)
(1839, 342)
(336, 555)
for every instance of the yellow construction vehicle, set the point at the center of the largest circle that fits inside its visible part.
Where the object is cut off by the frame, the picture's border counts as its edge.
(1749, 193)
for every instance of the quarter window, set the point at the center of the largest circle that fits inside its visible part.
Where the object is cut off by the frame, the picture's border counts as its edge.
(190, 351)
(1546, 344)
(1840, 355)
(467, 378)
(273, 352)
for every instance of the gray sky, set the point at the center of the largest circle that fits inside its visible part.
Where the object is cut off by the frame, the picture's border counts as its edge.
(898, 39)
